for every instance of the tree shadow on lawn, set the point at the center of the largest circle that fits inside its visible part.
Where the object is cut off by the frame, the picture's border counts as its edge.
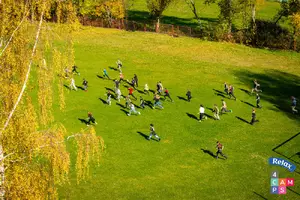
(243, 120)
(182, 98)
(277, 86)
(83, 121)
(143, 16)
(192, 116)
(248, 104)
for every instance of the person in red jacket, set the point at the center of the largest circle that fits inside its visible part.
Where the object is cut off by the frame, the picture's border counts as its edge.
(167, 94)
(131, 92)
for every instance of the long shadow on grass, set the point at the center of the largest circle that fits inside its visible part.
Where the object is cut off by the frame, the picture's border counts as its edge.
(248, 103)
(125, 111)
(293, 191)
(220, 93)
(153, 92)
(260, 195)
(149, 104)
(243, 120)
(83, 121)
(192, 116)
(110, 89)
(66, 86)
(208, 152)
(103, 101)
(122, 106)
(283, 143)
(209, 116)
(277, 87)
(143, 134)
(113, 68)
(182, 98)
(246, 91)
(80, 87)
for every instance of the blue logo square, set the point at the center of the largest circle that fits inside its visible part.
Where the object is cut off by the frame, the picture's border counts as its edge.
(274, 190)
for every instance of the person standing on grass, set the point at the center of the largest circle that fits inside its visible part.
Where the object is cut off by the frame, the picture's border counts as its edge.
(152, 132)
(258, 101)
(256, 87)
(85, 85)
(230, 93)
(136, 80)
(72, 84)
(146, 89)
(253, 120)
(74, 70)
(161, 87)
(216, 112)
(294, 104)
(189, 95)
(90, 119)
(167, 94)
(132, 110)
(121, 77)
(220, 148)
(105, 74)
(202, 113)
(119, 94)
(226, 88)
(128, 101)
(117, 84)
(133, 83)
(131, 92)
(224, 107)
(119, 64)
(108, 100)
(157, 102)
(142, 102)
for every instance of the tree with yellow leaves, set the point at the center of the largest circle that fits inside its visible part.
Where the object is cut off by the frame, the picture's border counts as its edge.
(33, 156)
(295, 21)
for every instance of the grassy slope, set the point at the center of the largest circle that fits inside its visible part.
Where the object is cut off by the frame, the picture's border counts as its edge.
(176, 168)
(179, 13)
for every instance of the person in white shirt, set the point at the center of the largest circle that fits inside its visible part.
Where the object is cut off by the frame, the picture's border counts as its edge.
(132, 110)
(202, 113)
(119, 64)
(146, 89)
(118, 92)
(224, 107)
(72, 85)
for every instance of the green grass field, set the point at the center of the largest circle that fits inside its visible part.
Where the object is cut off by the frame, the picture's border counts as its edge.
(177, 167)
(179, 13)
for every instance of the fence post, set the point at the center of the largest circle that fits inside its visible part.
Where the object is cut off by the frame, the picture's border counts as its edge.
(172, 29)
(133, 26)
(145, 28)
(190, 31)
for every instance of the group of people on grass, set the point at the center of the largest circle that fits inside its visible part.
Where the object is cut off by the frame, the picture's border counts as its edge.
(160, 90)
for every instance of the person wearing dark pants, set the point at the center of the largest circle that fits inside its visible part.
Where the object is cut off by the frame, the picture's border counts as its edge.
(226, 88)
(142, 102)
(220, 148)
(85, 85)
(258, 101)
(253, 120)
(230, 93)
(131, 92)
(294, 104)
(189, 95)
(91, 119)
(136, 80)
(152, 132)
(74, 70)
(202, 113)
(167, 94)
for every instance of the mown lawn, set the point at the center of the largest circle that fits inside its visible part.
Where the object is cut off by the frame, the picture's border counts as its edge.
(179, 13)
(177, 167)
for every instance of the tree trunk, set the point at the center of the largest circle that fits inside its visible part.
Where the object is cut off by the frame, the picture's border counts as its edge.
(2, 174)
(229, 17)
(125, 13)
(253, 13)
(157, 25)
(195, 12)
